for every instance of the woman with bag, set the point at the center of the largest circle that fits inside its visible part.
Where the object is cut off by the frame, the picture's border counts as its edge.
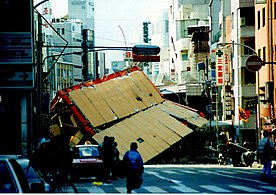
(134, 168)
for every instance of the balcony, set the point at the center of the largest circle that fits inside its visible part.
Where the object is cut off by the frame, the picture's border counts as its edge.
(247, 31)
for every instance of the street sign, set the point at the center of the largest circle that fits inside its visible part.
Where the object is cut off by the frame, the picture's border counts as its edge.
(142, 58)
(17, 77)
(146, 49)
(254, 63)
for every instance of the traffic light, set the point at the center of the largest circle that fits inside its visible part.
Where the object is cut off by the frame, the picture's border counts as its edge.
(146, 32)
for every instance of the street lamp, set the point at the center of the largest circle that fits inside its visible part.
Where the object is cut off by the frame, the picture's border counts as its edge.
(125, 42)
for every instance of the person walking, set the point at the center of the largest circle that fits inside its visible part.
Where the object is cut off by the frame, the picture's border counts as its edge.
(265, 154)
(116, 160)
(134, 168)
(106, 149)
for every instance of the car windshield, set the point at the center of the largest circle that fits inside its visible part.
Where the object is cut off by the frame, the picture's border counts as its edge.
(6, 181)
(28, 170)
(85, 152)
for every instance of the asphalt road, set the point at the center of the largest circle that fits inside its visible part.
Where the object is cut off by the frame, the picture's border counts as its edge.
(190, 179)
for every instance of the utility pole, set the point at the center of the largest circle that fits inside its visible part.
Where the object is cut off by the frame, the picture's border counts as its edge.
(39, 78)
(84, 55)
(271, 52)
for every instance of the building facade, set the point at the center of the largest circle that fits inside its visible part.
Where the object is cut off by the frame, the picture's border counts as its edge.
(265, 28)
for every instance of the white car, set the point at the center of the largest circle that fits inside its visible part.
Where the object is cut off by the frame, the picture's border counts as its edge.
(34, 178)
(12, 177)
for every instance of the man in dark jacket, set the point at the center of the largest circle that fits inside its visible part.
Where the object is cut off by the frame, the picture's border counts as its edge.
(134, 168)
(265, 153)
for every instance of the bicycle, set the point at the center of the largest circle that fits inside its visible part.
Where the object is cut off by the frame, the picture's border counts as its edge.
(61, 182)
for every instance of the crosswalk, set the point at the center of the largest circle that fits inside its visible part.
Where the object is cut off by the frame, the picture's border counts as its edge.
(179, 186)
(186, 189)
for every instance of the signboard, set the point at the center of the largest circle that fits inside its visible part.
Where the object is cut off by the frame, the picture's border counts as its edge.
(16, 48)
(219, 67)
(254, 63)
(47, 14)
(226, 65)
(142, 58)
(118, 65)
(19, 76)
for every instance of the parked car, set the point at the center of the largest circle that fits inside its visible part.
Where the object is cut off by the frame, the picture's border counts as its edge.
(33, 177)
(12, 177)
(87, 161)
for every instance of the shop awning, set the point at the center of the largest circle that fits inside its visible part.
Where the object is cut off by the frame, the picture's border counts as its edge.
(127, 106)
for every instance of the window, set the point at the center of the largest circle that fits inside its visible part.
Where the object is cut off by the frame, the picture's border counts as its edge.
(248, 13)
(251, 44)
(248, 76)
(263, 17)
(166, 26)
(264, 54)
(274, 10)
(62, 31)
(232, 20)
(259, 20)
(184, 55)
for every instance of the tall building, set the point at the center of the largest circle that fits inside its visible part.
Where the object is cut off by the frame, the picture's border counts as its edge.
(186, 17)
(244, 86)
(69, 67)
(160, 37)
(84, 10)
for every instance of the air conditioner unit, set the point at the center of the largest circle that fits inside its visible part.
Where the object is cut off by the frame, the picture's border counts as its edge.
(242, 21)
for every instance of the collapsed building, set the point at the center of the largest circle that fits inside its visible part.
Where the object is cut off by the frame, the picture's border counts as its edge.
(127, 106)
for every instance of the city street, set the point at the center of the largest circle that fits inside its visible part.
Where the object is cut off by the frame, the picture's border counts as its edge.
(190, 179)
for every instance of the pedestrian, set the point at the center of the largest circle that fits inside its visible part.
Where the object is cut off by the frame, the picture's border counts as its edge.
(107, 153)
(134, 168)
(265, 154)
(116, 160)
(41, 157)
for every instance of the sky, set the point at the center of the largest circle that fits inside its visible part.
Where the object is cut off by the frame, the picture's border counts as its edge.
(117, 22)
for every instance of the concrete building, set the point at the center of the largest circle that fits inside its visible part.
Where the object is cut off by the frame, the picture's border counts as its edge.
(244, 84)
(84, 11)
(184, 15)
(188, 47)
(192, 64)
(160, 37)
(232, 36)
(71, 40)
(265, 38)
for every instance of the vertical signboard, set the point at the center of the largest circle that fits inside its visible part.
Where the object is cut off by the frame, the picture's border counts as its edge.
(226, 66)
(213, 64)
(228, 103)
(219, 67)
(47, 14)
